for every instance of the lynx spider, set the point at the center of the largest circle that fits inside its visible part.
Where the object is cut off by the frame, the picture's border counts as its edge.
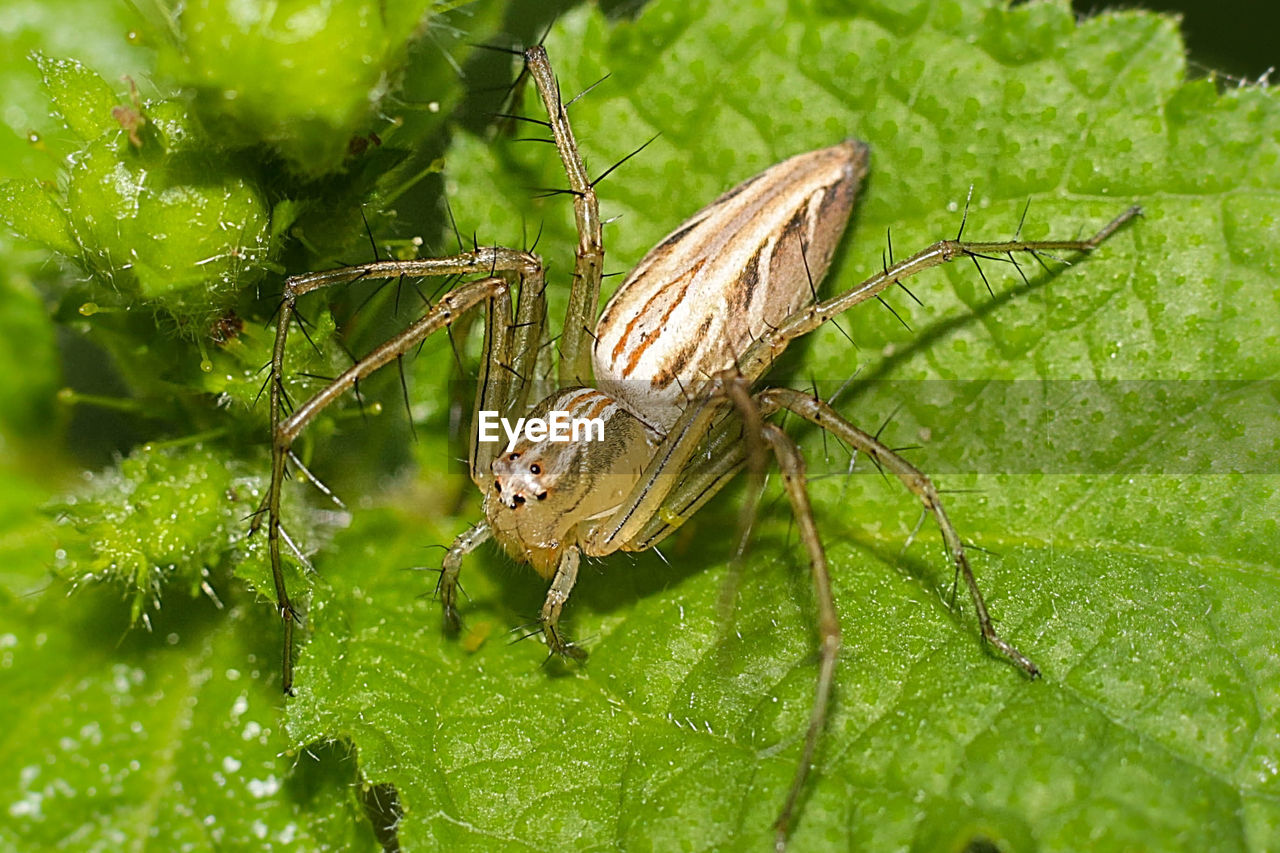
(679, 408)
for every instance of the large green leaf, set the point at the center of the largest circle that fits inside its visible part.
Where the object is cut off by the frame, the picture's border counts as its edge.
(1135, 565)
(1144, 587)
(170, 737)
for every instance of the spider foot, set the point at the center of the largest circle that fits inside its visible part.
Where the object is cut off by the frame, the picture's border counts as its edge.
(452, 621)
(560, 646)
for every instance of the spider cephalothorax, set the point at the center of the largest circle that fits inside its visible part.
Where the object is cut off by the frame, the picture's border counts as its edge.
(675, 357)
(545, 494)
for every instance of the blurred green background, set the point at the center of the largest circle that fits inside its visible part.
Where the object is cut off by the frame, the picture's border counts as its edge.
(1237, 37)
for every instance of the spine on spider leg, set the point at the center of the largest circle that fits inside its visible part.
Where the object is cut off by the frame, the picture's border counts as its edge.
(584, 294)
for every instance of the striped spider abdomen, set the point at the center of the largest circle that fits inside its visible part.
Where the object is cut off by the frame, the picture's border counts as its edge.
(732, 272)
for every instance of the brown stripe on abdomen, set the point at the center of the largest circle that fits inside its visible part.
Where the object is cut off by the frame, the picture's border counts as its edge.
(635, 346)
(679, 359)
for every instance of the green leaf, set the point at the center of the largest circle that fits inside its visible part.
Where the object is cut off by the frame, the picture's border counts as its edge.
(81, 97)
(166, 737)
(173, 737)
(1148, 598)
(117, 739)
(94, 34)
(330, 64)
(26, 207)
(141, 211)
(162, 515)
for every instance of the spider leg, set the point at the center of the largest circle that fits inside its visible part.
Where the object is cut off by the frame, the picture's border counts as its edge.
(761, 355)
(727, 455)
(821, 414)
(793, 477)
(723, 452)
(285, 431)
(727, 452)
(457, 303)
(507, 366)
(663, 474)
(447, 587)
(721, 456)
(584, 296)
(561, 585)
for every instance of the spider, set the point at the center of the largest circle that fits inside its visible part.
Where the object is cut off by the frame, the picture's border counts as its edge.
(674, 357)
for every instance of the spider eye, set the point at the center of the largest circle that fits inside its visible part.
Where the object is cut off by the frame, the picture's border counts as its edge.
(519, 499)
(514, 456)
(535, 468)
(542, 496)
(497, 485)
